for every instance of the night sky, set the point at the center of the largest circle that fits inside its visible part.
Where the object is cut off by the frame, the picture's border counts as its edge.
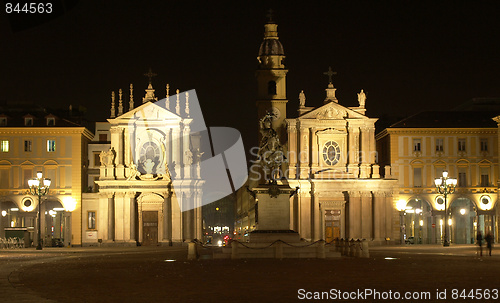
(408, 56)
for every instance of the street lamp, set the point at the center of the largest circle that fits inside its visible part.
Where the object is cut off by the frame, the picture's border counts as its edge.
(401, 206)
(39, 187)
(445, 186)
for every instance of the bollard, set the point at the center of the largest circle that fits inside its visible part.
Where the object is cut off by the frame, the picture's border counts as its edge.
(351, 248)
(320, 251)
(278, 250)
(357, 251)
(366, 250)
(234, 250)
(192, 251)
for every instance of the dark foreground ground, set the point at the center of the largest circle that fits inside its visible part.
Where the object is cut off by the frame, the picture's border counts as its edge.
(144, 275)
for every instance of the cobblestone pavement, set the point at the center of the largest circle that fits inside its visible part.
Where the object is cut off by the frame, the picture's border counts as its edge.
(165, 275)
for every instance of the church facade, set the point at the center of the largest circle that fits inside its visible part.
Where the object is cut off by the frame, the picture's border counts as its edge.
(332, 159)
(149, 186)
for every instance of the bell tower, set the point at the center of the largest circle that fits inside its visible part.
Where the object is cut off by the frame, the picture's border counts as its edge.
(271, 78)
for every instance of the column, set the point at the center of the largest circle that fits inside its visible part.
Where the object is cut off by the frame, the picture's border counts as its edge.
(175, 203)
(314, 150)
(167, 218)
(292, 148)
(132, 216)
(354, 215)
(315, 216)
(111, 217)
(176, 150)
(378, 216)
(198, 219)
(366, 215)
(373, 148)
(187, 153)
(389, 210)
(365, 152)
(353, 166)
(119, 216)
(304, 153)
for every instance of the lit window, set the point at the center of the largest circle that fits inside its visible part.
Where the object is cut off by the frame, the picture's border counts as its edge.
(484, 145)
(4, 146)
(28, 121)
(91, 220)
(439, 145)
(3, 121)
(417, 145)
(27, 145)
(461, 145)
(51, 145)
(51, 121)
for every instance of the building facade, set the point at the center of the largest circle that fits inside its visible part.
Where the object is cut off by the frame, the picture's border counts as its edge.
(331, 159)
(34, 142)
(420, 148)
(149, 186)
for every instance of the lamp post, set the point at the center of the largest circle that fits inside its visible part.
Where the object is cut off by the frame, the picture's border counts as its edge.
(401, 206)
(39, 187)
(445, 186)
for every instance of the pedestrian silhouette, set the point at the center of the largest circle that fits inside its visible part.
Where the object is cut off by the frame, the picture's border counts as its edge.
(489, 241)
(479, 239)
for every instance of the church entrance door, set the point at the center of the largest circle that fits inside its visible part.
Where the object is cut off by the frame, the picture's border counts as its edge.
(149, 228)
(332, 225)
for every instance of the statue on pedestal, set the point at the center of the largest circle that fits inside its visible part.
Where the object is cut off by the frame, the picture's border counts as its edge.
(270, 153)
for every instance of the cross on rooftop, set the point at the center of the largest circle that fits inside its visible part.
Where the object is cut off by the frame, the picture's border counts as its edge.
(330, 73)
(150, 75)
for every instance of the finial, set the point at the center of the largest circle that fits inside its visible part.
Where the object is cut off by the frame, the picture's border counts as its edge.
(120, 102)
(330, 73)
(150, 75)
(302, 99)
(113, 113)
(269, 15)
(178, 106)
(131, 102)
(167, 102)
(187, 104)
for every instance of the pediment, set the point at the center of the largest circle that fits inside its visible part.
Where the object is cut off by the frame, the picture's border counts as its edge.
(147, 111)
(332, 111)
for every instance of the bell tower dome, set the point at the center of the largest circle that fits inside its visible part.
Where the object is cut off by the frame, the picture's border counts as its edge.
(271, 78)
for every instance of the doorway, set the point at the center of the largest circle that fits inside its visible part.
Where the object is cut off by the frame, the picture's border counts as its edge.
(332, 224)
(149, 228)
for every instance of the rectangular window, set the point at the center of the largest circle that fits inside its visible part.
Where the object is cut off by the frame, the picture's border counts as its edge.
(91, 220)
(461, 145)
(27, 145)
(417, 144)
(485, 180)
(3, 121)
(439, 145)
(462, 179)
(417, 177)
(97, 159)
(4, 146)
(28, 121)
(484, 145)
(103, 137)
(51, 145)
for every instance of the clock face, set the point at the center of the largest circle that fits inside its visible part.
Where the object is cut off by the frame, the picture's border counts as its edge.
(331, 153)
(275, 112)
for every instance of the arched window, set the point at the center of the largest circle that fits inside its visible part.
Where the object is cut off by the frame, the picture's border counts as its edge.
(271, 88)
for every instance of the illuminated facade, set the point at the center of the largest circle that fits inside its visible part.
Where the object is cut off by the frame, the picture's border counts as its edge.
(146, 172)
(331, 158)
(33, 142)
(420, 148)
